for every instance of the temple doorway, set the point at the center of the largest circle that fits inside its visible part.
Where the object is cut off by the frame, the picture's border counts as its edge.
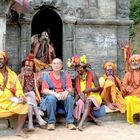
(48, 20)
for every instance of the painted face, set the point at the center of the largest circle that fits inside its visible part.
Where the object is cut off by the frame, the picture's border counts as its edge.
(29, 66)
(2, 62)
(44, 36)
(57, 65)
(109, 70)
(135, 63)
(80, 70)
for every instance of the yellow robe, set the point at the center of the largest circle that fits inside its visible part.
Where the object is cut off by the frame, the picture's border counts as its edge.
(112, 94)
(94, 95)
(13, 88)
(132, 107)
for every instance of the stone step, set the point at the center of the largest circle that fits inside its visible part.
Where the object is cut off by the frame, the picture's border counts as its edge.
(110, 116)
(113, 115)
(4, 124)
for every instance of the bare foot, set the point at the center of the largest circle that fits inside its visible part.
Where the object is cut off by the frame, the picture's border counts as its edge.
(111, 106)
(80, 128)
(97, 122)
(21, 134)
(42, 122)
(30, 128)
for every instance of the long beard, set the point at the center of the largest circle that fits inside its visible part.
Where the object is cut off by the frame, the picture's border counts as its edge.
(2, 65)
(135, 66)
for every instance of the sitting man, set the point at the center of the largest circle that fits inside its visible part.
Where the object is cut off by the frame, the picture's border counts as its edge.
(87, 89)
(10, 87)
(131, 87)
(111, 88)
(29, 83)
(57, 90)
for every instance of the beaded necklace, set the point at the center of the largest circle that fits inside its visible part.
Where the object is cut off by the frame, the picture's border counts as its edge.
(135, 83)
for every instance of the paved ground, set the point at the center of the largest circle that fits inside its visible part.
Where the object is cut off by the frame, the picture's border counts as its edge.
(115, 130)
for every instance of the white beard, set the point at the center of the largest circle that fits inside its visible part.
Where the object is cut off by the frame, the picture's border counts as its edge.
(135, 66)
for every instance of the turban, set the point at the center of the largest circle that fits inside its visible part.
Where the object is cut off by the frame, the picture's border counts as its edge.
(109, 63)
(134, 57)
(5, 55)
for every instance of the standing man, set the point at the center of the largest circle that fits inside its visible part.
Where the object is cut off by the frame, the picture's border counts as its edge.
(57, 88)
(131, 87)
(10, 87)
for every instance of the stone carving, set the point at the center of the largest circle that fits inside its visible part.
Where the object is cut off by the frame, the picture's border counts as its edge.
(53, 3)
(79, 13)
(92, 3)
(123, 8)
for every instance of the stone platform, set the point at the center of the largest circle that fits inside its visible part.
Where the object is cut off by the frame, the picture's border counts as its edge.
(110, 116)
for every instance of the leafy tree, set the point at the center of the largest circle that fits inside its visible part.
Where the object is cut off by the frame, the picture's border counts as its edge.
(135, 10)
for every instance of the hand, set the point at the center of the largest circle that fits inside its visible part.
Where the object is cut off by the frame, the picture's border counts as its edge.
(64, 95)
(87, 90)
(23, 100)
(110, 77)
(129, 89)
(57, 95)
(77, 97)
(82, 96)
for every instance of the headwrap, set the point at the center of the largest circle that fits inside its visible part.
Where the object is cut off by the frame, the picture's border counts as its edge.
(134, 57)
(109, 63)
(29, 58)
(76, 60)
(5, 55)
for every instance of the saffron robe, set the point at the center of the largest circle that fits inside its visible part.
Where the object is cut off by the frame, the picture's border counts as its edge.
(132, 99)
(112, 92)
(12, 88)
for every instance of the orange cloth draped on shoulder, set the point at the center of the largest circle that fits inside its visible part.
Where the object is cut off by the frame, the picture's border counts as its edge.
(112, 90)
(132, 98)
(12, 88)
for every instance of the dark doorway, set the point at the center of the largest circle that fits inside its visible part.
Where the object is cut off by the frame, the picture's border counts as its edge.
(47, 19)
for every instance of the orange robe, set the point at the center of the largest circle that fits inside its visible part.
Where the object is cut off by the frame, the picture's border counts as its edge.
(133, 98)
(112, 93)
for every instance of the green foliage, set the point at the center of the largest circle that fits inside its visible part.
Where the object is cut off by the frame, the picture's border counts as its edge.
(132, 31)
(135, 10)
(134, 15)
